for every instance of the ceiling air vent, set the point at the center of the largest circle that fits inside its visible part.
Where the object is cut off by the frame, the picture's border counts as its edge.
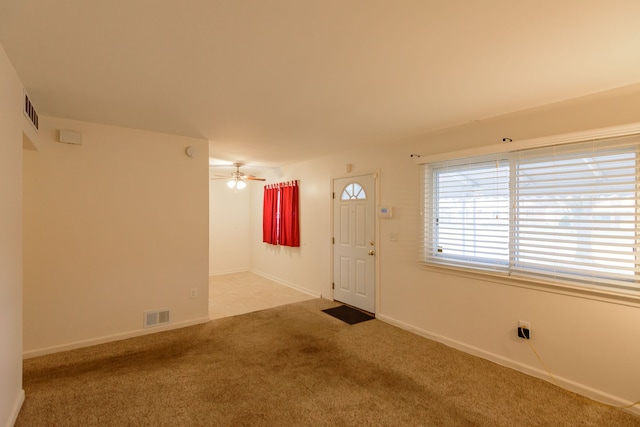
(30, 111)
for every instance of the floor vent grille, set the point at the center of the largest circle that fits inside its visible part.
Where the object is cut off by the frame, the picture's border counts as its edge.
(156, 318)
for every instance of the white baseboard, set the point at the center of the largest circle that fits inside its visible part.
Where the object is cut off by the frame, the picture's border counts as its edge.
(565, 383)
(220, 273)
(110, 338)
(13, 416)
(288, 284)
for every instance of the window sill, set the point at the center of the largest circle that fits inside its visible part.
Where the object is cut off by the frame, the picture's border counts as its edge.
(631, 298)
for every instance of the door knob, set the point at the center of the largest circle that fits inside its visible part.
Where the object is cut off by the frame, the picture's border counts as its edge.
(371, 253)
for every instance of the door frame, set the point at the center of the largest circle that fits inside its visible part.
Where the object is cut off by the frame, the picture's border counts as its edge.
(376, 229)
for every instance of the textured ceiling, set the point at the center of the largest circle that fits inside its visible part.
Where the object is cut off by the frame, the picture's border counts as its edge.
(278, 81)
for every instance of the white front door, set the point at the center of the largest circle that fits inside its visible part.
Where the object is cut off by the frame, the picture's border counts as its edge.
(354, 242)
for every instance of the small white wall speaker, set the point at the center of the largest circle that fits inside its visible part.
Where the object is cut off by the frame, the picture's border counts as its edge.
(70, 137)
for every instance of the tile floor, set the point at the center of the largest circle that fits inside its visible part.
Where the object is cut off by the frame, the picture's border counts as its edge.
(238, 293)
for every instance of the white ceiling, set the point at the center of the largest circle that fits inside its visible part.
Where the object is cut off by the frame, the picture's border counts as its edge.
(272, 82)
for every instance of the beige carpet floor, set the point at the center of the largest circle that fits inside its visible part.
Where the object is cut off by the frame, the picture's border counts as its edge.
(292, 365)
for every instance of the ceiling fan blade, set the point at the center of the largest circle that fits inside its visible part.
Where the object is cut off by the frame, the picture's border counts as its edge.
(252, 177)
(237, 175)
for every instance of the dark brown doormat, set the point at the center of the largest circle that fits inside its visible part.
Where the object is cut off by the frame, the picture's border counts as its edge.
(348, 314)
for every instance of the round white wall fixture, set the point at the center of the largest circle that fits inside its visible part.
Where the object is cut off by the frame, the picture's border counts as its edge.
(190, 151)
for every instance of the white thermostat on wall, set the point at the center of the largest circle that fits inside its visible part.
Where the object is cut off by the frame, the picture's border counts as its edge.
(384, 212)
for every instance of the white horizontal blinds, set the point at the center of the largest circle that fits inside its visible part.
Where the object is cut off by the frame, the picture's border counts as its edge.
(576, 213)
(470, 214)
(425, 238)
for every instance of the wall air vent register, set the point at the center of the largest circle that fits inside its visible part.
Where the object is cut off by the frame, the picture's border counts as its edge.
(30, 111)
(156, 318)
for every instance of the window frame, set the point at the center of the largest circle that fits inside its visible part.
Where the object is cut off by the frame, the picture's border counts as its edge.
(352, 192)
(480, 164)
(604, 291)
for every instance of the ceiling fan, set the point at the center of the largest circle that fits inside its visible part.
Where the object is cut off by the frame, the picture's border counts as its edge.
(237, 178)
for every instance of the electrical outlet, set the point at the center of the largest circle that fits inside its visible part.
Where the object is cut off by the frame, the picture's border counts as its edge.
(524, 329)
(193, 292)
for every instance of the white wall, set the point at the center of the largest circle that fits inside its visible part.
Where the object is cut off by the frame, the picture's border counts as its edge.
(113, 227)
(11, 125)
(228, 227)
(588, 344)
(301, 267)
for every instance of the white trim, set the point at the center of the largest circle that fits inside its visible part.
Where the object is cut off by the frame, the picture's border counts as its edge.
(111, 338)
(567, 384)
(565, 138)
(377, 247)
(15, 410)
(221, 273)
(288, 284)
(597, 294)
(332, 197)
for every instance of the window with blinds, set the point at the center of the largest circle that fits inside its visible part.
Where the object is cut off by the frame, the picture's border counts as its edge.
(565, 214)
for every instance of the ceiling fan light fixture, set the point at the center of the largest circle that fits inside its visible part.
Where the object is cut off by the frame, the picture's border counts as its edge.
(236, 183)
(237, 179)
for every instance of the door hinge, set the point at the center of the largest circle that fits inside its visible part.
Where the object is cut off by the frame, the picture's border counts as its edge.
(333, 240)
(333, 195)
(333, 285)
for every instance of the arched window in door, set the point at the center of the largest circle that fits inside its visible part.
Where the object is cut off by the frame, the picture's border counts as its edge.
(353, 191)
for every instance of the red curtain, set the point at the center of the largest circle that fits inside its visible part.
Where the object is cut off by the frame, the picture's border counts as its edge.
(289, 218)
(270, 215)
(281, 214)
